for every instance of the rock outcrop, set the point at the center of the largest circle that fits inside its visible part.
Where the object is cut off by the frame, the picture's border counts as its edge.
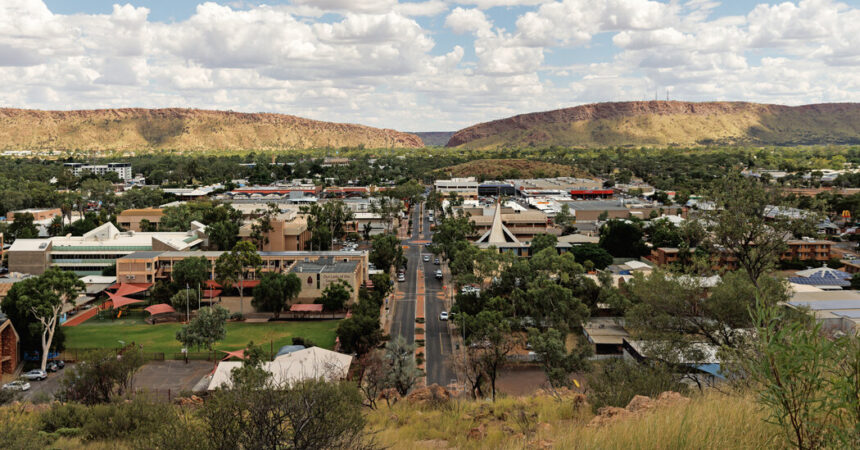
(667, 123)
(136, 129)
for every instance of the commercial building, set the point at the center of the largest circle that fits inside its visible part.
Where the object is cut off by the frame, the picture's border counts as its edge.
(121, 169)
(554, 186)
(523, 224)
(591, 210)
(289, 232)
(39, 214)
(310, 363)
(836, 310)
(495, 188)
(130, 219)
(97, 249)
(316, 269)
(463, 187)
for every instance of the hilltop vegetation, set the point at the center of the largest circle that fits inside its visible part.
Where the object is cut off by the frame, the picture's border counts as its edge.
(184, 130)
(493, 169)
(669, 123)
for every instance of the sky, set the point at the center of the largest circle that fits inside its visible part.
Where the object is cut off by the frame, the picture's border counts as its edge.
(423, 65)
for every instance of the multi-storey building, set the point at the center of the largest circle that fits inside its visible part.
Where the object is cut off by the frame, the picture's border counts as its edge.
(121, 169)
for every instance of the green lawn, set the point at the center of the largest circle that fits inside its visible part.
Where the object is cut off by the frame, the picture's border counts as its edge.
(162, 337)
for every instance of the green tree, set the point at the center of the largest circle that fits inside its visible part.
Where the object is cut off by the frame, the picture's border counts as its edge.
(616, 381)
(100, 377)
(22, 227)
(565, 219)
(592, 252)
(235, 266)
(359, 334)
(44, 298)
(190, 272)
(403, 372)
(261, 227)
(276, 291)
(558, 364)
(335, 296)
(183, 299)
(223, 235)
(385, 251)
(492, 333)
(622, 238)
(542, 241)
(207, 328)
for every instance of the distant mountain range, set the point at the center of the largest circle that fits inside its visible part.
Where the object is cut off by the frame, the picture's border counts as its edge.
(184, 129)
(669, 123)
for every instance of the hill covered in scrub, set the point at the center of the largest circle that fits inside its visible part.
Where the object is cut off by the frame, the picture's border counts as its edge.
(184, 130)
(495, 169)
(669, 123)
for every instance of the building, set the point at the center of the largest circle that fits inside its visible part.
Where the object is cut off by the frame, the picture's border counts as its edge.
(592, 210)
(807, 250)
(123, 170)
(292, 367)
(525, 224)
(130, 219)
(193, 193)
(463, 187)
(323, 268)
(10, 348)
(332, 161)
(664, 255)
(836, 310)
(496, 188)
(289, 232)
(823, 278)
(38, 214)
(554, 186)
(606, 334)
(97, 249)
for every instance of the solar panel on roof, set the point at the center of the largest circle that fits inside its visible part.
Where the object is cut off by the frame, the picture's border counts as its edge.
(820, 281)
(827, 304)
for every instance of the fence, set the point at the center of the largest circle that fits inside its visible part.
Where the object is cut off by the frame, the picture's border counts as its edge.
(76, 354)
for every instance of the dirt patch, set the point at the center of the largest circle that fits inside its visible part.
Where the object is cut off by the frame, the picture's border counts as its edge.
(638, 405)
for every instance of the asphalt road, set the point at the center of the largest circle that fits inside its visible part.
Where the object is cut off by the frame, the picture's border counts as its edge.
(403, 323)
(437, 339)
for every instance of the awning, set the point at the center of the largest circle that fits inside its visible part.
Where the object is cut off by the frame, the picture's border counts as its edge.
(249, 283)
(131, 288)
(211, 293)
(306, 307)
(212, 284)
(161, 308)
(119, 301)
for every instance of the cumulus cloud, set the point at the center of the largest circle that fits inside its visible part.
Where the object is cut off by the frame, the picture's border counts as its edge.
(389, 63)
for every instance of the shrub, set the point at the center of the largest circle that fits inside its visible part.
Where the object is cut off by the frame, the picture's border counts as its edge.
(616, 382)
(7, 396)
(64, 416)
(19, 429)
(237, 316)
(125, 420)
(298, 340)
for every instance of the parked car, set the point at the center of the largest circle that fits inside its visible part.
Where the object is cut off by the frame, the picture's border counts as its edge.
(36, 374)
(469, 289)
(438, 274)
(443, 315)
(426, 258)
(55, 365)
(436, 261)
(18, 385)
(60, 363)
(401, 277)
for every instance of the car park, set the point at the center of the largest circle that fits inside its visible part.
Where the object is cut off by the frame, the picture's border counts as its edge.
(443, 315)
(36, 374)
(17, 385)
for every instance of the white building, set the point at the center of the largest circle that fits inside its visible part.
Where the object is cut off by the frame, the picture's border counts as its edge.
(121, 169)
(310, 363)
(464, 187)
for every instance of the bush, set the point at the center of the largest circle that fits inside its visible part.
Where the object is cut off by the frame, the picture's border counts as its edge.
(19, 429)
(7, 396)
(125, 420)
(298, 340)
(237, 316)
(64, 416)
(616, 382)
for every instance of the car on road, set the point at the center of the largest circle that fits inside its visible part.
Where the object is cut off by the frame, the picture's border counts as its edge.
(401, 277)
(436, 261)
(18, 385)
(438, 274)
(426, 258)
(36, 374)
(443, 315)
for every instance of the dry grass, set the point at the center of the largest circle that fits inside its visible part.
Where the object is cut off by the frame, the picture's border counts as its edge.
(711, 420)
(494, 169)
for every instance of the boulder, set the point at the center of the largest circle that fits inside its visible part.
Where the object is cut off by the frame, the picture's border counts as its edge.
(433, 394)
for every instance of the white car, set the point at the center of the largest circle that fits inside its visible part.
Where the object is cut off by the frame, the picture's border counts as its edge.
(443, 315)
(469, 289)
(36, 374)
(438, 274)
(426, 258)
(19, 385)
(401, 277)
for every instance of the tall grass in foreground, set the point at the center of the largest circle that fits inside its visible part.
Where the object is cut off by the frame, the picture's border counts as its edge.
(708, 421)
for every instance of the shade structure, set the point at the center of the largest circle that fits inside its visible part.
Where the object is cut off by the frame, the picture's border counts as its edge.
(119, 301)
(234, 354)
(211, 293)
(212, 284)
(131, 288)
(248, 283)
(160, 308)
(305, 307)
